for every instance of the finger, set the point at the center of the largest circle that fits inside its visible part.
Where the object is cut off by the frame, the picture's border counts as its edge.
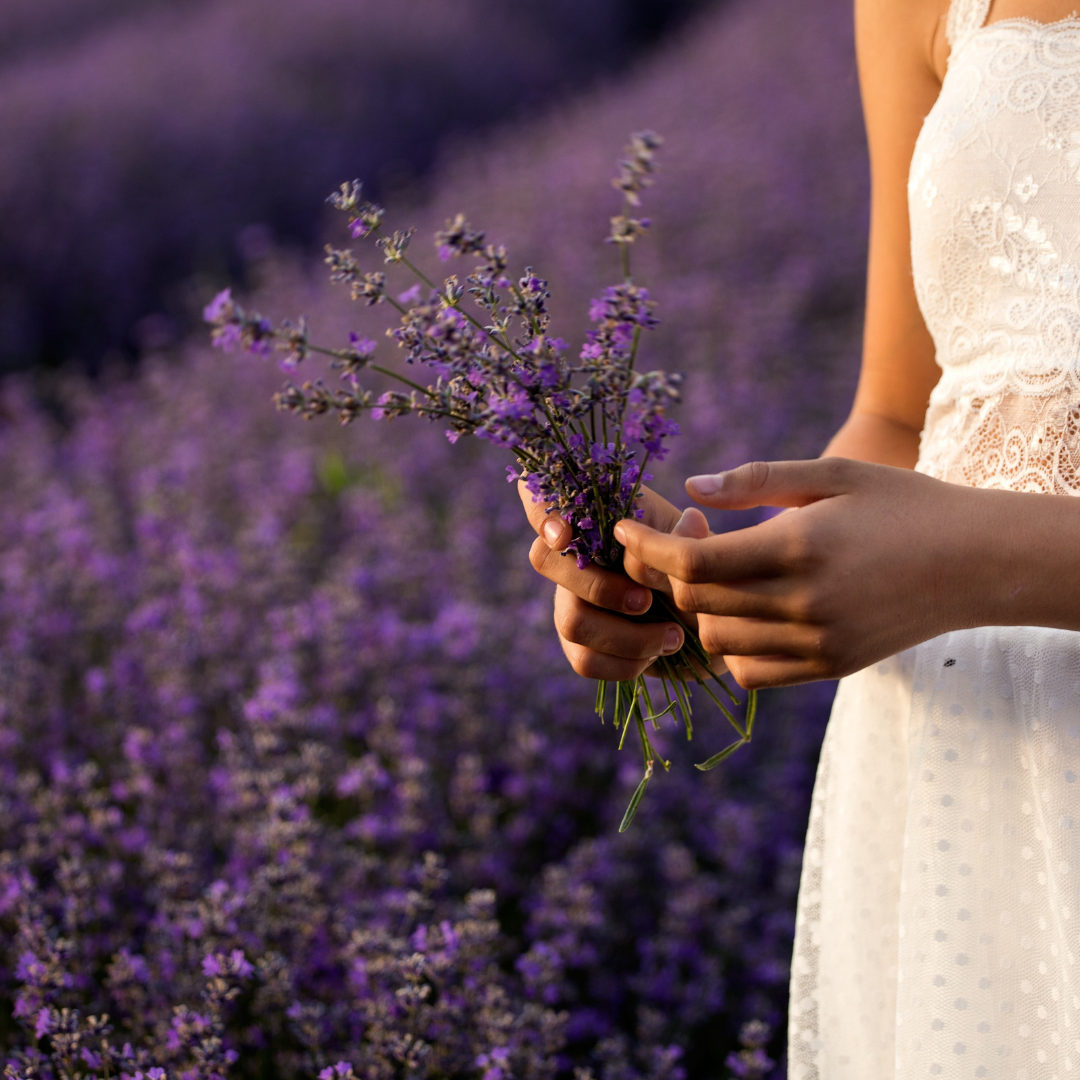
(729, 637)
(759, 551)
(762, 672)
(594, 665)
(691, 523)
(601, 588)
(556, 532)
(776, 483)
(583, 624)
(658, 513)
(756, 598)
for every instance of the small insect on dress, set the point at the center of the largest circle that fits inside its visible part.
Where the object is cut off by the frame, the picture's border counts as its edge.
(938, 929)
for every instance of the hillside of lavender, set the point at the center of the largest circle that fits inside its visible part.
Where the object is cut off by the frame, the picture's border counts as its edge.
(143, 142)
(294, 780)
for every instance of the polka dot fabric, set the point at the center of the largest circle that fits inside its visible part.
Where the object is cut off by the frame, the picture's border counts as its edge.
(939, 917)
(938, 928)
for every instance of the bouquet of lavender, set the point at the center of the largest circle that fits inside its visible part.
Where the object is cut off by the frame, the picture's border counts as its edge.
(583, 430)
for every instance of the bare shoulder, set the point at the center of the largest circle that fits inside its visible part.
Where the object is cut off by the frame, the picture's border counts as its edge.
(901, 65)
(902, 54)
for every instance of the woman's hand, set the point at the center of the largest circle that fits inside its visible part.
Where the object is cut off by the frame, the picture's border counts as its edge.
(874, 560)
(598, 643)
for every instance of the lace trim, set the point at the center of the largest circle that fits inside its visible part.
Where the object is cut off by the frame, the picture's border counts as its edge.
(965, 17)
(1023, 20)
(970, 19)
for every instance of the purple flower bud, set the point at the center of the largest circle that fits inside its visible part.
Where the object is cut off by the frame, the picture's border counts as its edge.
(226, 338)
(240, 964)
(42, 1023)
(362, 346)
(219, 308)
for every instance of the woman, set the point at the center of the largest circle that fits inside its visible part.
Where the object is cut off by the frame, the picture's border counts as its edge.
(932, 560)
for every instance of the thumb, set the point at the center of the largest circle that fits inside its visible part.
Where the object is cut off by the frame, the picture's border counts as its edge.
(692, 524)
(774, 483)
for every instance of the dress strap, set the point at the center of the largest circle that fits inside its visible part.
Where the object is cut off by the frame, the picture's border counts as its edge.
(965, 17)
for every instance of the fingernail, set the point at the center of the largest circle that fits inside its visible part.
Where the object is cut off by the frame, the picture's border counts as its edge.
(672, 640)
(620, 533)
(636, 600)
(552, 531)
(706, 485)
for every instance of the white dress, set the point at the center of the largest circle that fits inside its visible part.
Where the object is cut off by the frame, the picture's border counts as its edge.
(938, 930)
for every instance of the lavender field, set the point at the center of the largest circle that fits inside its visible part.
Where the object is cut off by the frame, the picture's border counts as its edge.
(143, 142)
(294, 781)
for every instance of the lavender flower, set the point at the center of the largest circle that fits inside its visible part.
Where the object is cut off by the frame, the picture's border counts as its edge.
(752, 1062)
(88, 91)
(186, 579)
(583, 433)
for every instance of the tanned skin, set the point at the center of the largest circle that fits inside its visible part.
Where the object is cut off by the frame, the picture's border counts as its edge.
(875, 557)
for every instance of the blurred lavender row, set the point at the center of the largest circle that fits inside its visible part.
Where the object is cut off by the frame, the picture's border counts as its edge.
(292, 772)
(138, 141)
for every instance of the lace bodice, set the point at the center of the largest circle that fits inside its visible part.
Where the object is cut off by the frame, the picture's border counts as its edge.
(994, 196)
(937, 933)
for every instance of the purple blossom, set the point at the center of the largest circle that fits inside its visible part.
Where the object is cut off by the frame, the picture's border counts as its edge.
(219, 308)
(176, 538)
(362, 346)
(42, 1023)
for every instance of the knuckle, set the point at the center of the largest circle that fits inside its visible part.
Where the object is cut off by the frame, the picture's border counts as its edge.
(594, 665)
(823, 647)
(757, 474)
(838, 468)
(590, 665)
(580, 658)
(751, 674)
(538, 556)
(711, 639)
(571, 622)
(808, 606)
(651, 644)
(799, 549)
(596, 592)
(742, 671)
(691, 564)
(682, 594)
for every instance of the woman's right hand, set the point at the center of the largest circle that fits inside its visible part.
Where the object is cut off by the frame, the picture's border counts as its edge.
(598, 643)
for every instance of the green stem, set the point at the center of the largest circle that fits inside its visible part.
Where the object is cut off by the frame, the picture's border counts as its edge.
(637, 487)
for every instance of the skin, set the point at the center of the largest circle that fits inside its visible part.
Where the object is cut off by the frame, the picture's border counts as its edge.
(871, 557)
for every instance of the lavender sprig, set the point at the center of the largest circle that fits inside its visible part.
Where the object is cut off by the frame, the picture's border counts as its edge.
(583, 429)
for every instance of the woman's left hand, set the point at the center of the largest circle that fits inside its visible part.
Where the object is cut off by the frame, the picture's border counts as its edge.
(874, 560)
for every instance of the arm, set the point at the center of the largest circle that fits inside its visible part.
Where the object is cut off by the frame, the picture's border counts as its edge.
(900, 46)
(896, 51)
(875, 558)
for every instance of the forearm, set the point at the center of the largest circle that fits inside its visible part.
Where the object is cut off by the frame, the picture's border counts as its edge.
(868, 436)
(1028, 552)
(1005, 558)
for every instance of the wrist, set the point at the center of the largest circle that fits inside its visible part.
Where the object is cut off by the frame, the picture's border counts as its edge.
(1022, 559)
